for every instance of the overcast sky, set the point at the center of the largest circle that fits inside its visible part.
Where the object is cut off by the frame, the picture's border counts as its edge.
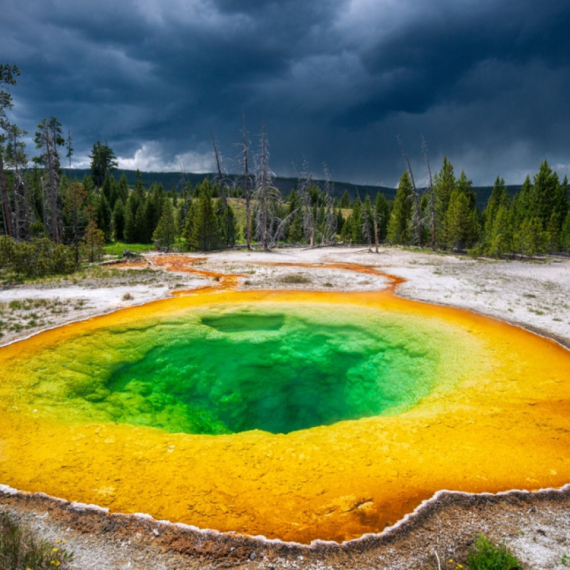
(487, 82)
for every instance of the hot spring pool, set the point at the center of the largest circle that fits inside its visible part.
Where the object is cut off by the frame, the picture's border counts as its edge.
(290, 414)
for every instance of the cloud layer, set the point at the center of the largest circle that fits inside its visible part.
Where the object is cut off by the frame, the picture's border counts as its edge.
(486, 82)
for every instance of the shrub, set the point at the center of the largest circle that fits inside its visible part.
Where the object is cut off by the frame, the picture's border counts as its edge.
(294, 278)
(487, 556)
(20, 548)
(6, 250)
(37, 258)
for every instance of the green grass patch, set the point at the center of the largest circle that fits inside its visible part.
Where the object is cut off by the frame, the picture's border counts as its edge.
(487, 556)
(118, 247)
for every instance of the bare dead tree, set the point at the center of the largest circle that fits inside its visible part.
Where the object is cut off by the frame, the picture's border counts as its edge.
(219, 178)
(16, 160)
(246, 178)
(305, 178)
(69, 147)
(270, 222)
(6, 209)
(431, 193)
(329, 225)
(417, 222)
(48, 138)
(8, 74)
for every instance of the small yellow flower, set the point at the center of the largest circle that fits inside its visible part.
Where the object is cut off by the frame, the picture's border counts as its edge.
(451, 560)
(54, 549)
(58, 541)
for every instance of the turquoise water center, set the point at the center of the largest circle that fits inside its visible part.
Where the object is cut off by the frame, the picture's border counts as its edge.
(228, 369)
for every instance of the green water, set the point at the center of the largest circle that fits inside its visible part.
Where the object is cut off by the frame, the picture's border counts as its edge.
(229, 370)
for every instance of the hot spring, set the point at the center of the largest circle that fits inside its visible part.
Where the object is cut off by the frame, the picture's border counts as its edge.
(290, 414)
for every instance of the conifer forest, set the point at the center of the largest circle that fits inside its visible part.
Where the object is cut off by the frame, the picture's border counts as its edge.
(51, 222)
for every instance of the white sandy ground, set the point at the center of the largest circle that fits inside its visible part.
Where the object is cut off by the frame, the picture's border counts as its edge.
(533, 294)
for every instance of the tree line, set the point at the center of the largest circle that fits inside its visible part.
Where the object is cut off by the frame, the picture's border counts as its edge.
(58, 222)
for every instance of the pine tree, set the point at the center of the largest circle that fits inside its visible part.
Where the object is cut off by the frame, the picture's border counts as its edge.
(119, 220)
(546, 189)
(459, 221)
(109, 191)
(345, 200)
(142, 226)
(103, 162)
(382, 212)
(399, 231)
(164, 235)
(565, 234)
(228, 223)
(525, 204)
(530, 238)
(130, 218)
(553, 231)
(501, 237)
(93, 242)
(444, 184)
(357, 223)
(499, 197)
(205, 234)
(123, 189)
(103, 218)
(466, 186)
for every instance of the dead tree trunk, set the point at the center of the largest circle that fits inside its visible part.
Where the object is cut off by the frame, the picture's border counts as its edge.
(246, 181)
(6, 212)
(431, 194)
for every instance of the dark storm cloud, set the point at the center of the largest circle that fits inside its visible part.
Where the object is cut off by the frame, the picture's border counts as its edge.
(335, 80)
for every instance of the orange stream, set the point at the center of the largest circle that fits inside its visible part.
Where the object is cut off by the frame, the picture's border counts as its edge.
(505, 425)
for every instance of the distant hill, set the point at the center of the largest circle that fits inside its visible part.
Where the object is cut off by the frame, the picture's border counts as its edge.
(285, 185)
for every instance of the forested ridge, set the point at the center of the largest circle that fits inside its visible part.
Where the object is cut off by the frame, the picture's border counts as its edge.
(51, 221)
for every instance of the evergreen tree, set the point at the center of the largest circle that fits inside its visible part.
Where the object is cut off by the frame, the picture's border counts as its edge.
(530, 239)
(205, 234)
(444, 184)
(345, 200)
(499, 197)
(75, 215)
(295, 231)
(165, 234)
(119, 220)
(565, 234)
(339, 221)
(93, 243)
(368, 221)
(103, 218)
(103, 162)
(553, 231)
(357, 223)
(139, 189)
(525, 204)
(382, 210)
(130, 218)
(142, 225)
(465, 186)
(123, 189)
(228, 223)
(547, 192)
(460, 221)
(501, 237)
(399, 231)
(109, 191)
